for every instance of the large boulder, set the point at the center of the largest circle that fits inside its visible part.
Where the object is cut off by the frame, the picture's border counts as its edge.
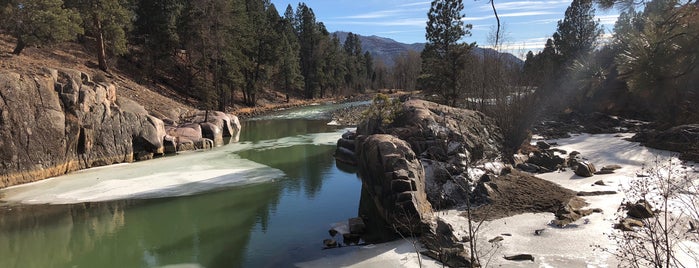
(585, 169)
(227, 123)
(395, 181)
(57, 120)
(447, 140)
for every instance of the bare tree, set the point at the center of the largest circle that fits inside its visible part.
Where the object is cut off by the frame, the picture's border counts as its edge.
(669, 193)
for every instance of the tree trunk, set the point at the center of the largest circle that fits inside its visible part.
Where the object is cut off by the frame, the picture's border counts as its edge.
(101, 51)
(19, 47)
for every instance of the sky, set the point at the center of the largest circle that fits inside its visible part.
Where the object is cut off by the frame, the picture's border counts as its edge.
(527, 24)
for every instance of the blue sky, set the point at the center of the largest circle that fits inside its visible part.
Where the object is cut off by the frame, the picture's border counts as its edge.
(527, 24)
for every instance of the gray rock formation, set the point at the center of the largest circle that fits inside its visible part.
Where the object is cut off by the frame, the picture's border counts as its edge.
(56, 121)
(447, 140)
(395, 180)
(59, 121)
(420, 161)
(683, 139)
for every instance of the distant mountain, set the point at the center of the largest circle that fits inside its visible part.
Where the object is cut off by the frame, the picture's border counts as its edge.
(387, 49)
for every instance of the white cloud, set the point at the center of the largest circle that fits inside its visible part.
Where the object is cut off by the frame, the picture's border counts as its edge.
(397, 22)
(427, 3)
(514, 14)
(375, 15)
(527, 5)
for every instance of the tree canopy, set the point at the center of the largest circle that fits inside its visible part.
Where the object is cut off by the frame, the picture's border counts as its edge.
(38, 22)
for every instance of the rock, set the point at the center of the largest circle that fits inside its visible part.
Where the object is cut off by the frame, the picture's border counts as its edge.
(329, 243)
(356, 225)
(539, 231)
(571, 213)
(184, 144)
(639, 210)
(76, 124)
(212, 132)
(529, 167)
(496, 239)
(383, 159)
(519, 159)
(440, 235)
(191, 132)
(543, 145)
(608, 169)
(628, 224)
(170, 144)
(547, 160)
(450, 257)
(681, 139)
(585, 169)
(611, 167)
(520, 257)
(332, 232)
(204, 144)
(228, 124)
(426, 125)
(596, 193)
(346, 156)
(351, 239)
(600, 182)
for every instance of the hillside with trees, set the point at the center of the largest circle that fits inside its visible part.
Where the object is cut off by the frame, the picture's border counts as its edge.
(225, 54)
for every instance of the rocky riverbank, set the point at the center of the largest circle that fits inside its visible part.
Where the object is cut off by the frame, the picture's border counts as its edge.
(54, 121)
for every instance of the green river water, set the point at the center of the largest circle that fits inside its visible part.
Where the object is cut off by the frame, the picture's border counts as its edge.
(277, 221)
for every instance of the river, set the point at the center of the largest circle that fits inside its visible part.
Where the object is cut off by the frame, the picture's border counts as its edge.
(267, 201)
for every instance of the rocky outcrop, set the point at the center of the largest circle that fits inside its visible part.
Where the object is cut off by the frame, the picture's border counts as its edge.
(56, 121)
(419, 161)
(59, 121)
(683, 139)
(447, 140)
(395, 180)
(439, 132)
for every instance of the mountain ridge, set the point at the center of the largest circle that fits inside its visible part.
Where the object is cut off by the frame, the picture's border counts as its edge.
(387, 49)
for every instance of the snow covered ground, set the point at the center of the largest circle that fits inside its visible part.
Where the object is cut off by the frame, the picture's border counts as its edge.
(572, 246)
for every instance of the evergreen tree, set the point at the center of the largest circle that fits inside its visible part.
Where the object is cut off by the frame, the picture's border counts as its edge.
(38, 22)
(309, 36)
(260, 48)
(108, 22)
(156, 31)
(288, 75)
(444, 56)
(211, 61)
(577, 34)
(657, 56)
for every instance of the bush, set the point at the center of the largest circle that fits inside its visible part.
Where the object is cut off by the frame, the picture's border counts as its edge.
(670, 192)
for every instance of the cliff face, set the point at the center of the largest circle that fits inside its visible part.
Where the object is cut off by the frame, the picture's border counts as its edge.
(56, 121)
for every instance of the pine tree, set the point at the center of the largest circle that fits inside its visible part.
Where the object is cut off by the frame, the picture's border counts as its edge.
(577, 34)
(108, 22)
(309, 40)
(444, 56)
(156, 30)
(38, 22)
(288, 75)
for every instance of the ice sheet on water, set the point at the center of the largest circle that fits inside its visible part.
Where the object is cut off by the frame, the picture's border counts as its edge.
(186, 174)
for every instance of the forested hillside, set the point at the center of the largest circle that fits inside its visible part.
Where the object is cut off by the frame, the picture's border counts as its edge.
(219, 53)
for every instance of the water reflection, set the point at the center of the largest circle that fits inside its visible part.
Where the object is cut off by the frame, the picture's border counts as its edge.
(268, 224)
